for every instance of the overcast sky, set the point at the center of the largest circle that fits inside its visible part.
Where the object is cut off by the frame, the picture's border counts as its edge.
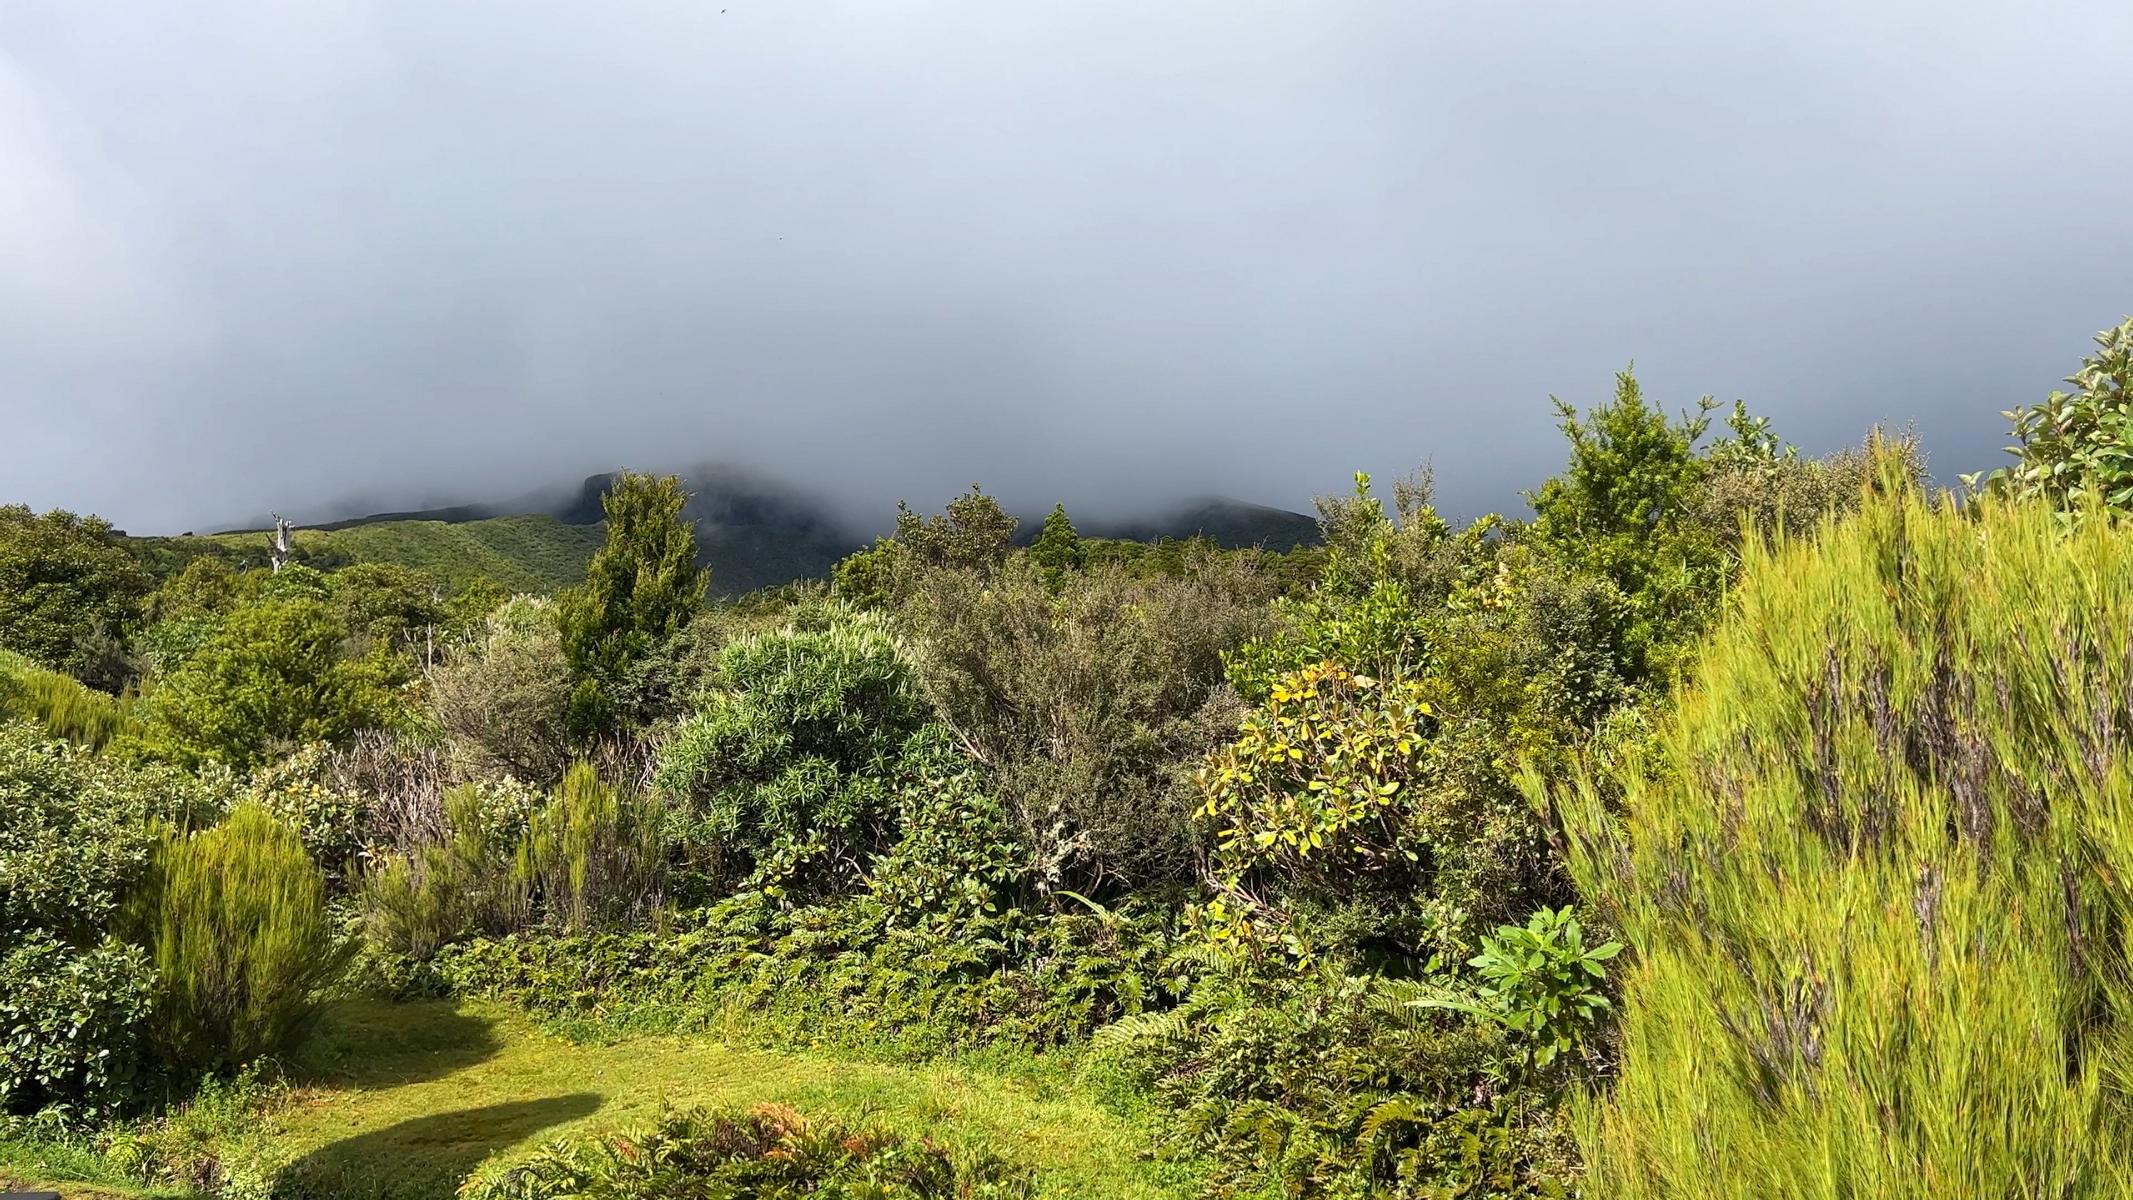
(306, 256)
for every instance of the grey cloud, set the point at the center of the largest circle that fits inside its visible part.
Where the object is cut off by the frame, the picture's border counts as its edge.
(266, 255)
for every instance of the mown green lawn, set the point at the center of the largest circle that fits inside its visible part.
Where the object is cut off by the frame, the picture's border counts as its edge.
(402, 1101)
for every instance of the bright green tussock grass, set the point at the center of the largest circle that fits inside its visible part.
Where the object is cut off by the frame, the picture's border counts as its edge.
(64, 706)
(1878, 875)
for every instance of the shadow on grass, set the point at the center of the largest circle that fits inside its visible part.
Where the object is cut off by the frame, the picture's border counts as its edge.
(375, 1043)
(427, 1157)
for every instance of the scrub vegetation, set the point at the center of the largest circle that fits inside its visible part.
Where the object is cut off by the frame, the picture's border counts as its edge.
(1737, 823)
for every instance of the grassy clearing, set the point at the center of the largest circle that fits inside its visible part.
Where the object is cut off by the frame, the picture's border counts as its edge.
(32, 1166)
(404, 1100)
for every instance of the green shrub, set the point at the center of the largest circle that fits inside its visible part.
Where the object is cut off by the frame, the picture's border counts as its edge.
(1759, 485)
(61, 704)
(301, 790)
(956, 857)
(235, 922)
(1875, 871)
(975, 973)
(417, 902)
(1542, 983)
(781, 774)
(502, 700)
(593, 856)
(1372, 776)
(1625, 509)
(934, 946)
(76, 832)
(1369, 830)
(2076, 448)
(1088, 706)
(387, 606)
(1325, 787)
(590, 974)
(971, 532)
(77, 835)
(272, 675)
(71, 1022)
(65, 584)
(209, 1143)
(1322, 1083)
(764, 1154)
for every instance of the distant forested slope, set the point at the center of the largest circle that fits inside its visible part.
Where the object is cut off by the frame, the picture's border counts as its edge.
(532, 553)
(751, 533)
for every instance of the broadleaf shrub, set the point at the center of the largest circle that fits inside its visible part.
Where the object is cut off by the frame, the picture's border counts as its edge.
(77, 832)
(71, 1023)
(1543, 983)
(67, 589)
(779, 777)
(2076, 448)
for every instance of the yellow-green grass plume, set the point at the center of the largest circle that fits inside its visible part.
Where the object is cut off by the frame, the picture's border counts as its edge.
(1877, 873)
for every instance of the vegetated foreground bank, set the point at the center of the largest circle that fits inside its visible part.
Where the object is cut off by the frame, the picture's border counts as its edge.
(1735, 789)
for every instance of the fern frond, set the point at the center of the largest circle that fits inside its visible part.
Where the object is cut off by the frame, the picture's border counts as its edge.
(1400, 1110)
(1143, 1027)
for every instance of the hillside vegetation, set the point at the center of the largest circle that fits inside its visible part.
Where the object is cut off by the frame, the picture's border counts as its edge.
(746, 542)
(1743, 823)
(536, 554)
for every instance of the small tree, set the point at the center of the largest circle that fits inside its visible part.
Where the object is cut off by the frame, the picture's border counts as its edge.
(641, 588)
(868, 579)
(65, 584)
(1058, 548)
(974, 532)
(1624, 509)
(273, 674)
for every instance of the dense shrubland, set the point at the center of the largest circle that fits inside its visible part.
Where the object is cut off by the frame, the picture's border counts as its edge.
(1720, 799)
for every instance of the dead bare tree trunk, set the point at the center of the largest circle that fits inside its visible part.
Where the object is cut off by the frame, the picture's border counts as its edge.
(279, 550)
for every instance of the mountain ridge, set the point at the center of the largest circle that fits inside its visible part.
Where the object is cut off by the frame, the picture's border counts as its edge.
(751, 532)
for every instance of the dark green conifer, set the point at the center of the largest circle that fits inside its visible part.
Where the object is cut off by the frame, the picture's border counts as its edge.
(1058, 548)
(640, 589)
